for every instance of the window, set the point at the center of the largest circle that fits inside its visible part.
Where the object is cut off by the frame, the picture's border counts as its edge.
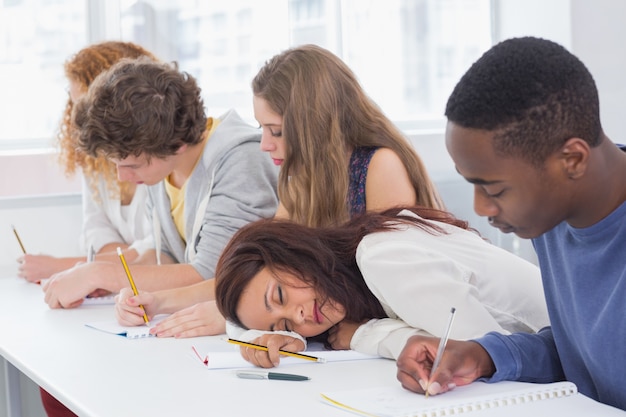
(408, 54)
(36, 37)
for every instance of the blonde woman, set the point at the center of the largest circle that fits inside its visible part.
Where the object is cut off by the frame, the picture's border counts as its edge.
(339, 154)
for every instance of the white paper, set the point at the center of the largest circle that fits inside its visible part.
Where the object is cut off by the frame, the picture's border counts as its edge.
(233, 359)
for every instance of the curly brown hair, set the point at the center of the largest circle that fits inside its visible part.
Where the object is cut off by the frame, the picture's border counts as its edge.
(140, 107)
(82, 68)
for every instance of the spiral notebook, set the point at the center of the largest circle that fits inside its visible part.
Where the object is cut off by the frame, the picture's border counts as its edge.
(397, 402)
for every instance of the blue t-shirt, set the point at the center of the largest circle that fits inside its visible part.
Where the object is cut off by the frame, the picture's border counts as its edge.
(584, 279)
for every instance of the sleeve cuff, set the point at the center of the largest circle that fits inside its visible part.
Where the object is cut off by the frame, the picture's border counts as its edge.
(506, 363)
(141, 246)
(235, 332)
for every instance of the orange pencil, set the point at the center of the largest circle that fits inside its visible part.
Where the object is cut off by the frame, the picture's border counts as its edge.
(18, 239)
(132, 283)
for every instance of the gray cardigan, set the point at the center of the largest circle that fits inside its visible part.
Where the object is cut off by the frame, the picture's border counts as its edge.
(233, 184)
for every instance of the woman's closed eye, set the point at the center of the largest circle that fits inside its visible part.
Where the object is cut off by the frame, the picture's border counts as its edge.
(285, 323)
(278, 298)
(279, 290)
(276, 133)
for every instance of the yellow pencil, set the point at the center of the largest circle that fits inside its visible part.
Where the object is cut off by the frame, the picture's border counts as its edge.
(19, 240)
(282, 352)
(132, 283)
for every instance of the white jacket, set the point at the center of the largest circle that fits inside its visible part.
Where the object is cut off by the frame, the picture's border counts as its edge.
(418, 276)
(105, 220)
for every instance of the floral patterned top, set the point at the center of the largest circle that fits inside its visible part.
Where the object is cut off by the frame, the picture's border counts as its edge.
(359, 163)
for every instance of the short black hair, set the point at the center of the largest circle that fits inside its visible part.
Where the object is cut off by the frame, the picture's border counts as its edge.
(533, 94)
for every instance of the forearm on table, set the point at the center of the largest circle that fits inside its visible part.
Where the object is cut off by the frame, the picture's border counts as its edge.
(162, 277)
(175, 299)
(61, 264)
(109, 253)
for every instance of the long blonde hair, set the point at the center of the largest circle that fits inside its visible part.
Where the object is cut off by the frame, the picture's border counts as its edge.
(325, 114)
(83, 68)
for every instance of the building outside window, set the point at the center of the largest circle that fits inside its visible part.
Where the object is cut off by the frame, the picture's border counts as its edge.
(407, 54)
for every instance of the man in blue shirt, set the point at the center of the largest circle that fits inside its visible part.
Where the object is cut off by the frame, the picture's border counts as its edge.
(524, 128)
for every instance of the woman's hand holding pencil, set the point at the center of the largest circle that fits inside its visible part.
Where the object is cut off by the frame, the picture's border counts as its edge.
(266, 350)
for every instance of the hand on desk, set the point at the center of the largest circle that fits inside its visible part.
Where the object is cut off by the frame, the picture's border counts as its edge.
(462, 363)
(34, 268)
(202, 319)
(68, 288)
(274, 343)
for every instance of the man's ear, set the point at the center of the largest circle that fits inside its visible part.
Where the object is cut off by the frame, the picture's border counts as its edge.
(182, 149)
(574, 155)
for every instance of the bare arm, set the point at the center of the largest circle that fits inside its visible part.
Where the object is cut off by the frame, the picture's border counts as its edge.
(68, 288)
(174, 299)
(194, 310)
(34, 268)
(388, 184)
(281, 212)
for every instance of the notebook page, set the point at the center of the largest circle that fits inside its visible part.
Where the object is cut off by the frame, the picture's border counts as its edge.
(233, 359)
(104, 300)
(395, 401)
(111, 326)
(131, 332)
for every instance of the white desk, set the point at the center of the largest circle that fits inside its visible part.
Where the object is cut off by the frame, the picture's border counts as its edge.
(99, 374)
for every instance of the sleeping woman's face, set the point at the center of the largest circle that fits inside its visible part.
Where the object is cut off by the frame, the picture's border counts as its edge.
(281, 301)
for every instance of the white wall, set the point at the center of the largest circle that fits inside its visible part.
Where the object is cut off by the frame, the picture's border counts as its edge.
(547, 19)
(598, 39)
(592, 30)
(46, 224)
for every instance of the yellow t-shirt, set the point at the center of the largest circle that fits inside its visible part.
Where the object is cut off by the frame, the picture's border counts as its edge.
(177, 195)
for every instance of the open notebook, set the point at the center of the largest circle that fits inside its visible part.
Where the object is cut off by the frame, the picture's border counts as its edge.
(131, 332)
(104, 300)
(230, 357)
(395, 401)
